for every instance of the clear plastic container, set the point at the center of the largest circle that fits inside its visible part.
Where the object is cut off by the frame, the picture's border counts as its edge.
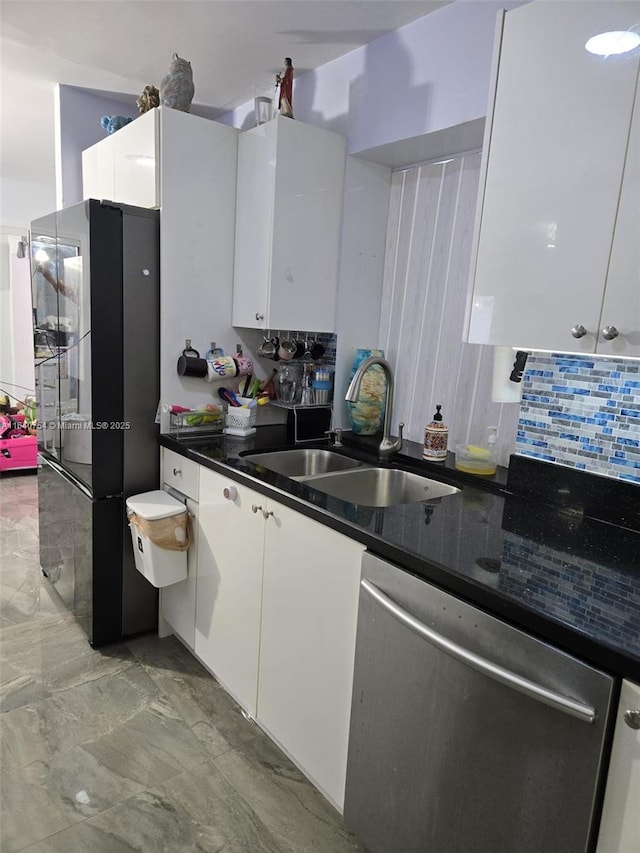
(474, 459)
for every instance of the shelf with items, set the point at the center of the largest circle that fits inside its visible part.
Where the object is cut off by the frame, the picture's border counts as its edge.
(280, 404)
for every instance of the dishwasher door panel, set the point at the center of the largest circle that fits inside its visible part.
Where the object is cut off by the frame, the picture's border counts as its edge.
(445, 757)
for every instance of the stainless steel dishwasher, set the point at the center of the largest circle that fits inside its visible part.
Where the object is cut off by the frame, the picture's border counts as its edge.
(467, 734)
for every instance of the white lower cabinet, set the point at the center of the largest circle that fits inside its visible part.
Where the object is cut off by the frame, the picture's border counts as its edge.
(227, 630)
(275, 621)
(178, 601)
(620, 825)
(307, 644)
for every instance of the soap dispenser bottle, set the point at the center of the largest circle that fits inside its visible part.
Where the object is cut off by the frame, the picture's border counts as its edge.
(436, 436)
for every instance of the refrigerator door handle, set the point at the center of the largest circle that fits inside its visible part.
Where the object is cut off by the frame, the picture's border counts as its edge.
(511, 679)
(58, 468)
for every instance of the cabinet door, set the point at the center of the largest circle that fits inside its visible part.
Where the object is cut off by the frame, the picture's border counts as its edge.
(230, 544)
(306, 227)
(309, 614)
(254, 225)
(620, 824)
(98, 179)
(178, 601)
(621, 306)
(556, 149)
(288, 221)
(135, 162)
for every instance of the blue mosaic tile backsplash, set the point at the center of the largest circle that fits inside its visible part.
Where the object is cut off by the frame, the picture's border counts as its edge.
(591, 597)
(583, 412)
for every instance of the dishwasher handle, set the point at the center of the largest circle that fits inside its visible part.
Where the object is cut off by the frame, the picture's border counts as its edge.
(477, 662)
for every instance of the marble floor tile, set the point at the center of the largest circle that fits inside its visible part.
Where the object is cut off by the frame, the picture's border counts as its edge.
(198, 812)
(208, 709)
(299, 817)
(130, 748)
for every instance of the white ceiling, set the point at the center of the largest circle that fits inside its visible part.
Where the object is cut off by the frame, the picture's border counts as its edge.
(117, 46)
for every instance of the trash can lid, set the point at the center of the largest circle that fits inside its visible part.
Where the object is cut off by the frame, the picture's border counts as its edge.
(155, 505)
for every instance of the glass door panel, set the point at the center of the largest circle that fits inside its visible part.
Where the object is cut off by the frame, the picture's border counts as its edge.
(74, 323)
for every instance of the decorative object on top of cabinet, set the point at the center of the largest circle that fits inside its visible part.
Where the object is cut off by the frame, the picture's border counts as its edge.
(366, 415)
(557, 256)
(263, 107)
(176, 88)
(284, 80)
(149, 99)
(288, 221)
(113, 123)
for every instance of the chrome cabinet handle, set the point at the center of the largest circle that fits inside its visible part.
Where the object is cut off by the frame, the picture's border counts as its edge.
(632, 719)
(265, 513)
(177, 472)
(609, 333)
(480, 664)
(259, 317)
(578, 331)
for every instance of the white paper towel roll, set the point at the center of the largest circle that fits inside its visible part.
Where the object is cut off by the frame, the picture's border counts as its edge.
(504, 390)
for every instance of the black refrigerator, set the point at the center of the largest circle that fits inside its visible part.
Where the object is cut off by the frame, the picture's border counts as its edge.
(95, 286)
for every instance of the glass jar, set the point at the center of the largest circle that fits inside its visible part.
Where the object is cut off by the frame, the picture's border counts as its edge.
(288, 382)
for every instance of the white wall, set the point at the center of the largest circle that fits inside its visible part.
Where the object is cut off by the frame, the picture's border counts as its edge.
(79, 114)
(16, 336)
(425, 76)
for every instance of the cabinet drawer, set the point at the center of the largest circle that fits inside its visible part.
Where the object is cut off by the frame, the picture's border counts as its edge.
(180, 473)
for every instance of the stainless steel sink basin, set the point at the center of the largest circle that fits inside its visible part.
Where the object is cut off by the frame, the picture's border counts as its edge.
(302, 462)
(379, 487)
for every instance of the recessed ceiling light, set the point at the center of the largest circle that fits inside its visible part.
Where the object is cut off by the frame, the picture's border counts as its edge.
(607, 44)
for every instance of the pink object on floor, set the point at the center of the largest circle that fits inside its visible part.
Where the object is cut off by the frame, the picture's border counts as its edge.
(21, 452)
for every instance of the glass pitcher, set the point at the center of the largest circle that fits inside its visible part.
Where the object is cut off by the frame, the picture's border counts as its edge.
(288, 382)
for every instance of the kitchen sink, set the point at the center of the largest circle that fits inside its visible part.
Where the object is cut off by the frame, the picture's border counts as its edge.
(302, 462)
(378, 487)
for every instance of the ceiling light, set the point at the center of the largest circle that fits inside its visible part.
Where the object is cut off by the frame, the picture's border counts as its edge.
(607, 44)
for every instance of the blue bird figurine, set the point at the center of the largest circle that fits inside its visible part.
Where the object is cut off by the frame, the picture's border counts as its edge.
(176, 88)
(113, 123)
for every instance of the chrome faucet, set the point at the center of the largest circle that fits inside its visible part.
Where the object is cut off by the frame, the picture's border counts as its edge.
(388, 445)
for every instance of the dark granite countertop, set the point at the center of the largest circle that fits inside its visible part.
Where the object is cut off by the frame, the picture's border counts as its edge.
(536, 546)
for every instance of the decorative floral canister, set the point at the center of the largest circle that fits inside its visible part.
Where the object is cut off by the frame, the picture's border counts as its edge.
(366, 415)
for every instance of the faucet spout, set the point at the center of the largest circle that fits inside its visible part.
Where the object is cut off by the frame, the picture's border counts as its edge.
(388, 445)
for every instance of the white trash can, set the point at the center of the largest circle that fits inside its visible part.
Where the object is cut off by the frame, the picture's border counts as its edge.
(159, 527)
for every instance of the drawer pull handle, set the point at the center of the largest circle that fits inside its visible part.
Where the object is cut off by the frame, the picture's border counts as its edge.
(177, 472)
(255, 508)
(230, 493)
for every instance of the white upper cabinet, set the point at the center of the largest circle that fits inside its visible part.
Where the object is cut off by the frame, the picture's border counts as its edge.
(122, 166)
(288, 219)
(557, 244)
(186, 166)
